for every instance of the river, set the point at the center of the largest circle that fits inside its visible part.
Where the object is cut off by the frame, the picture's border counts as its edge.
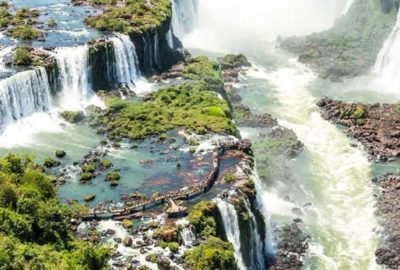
(330, 175)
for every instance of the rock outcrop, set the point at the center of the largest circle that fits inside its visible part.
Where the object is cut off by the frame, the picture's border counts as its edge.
(389, 212)
(376, 126)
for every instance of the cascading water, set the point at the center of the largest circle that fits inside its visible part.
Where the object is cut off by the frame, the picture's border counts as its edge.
(73, 68)
(183, 18)
(126, 60)
(329, 175)
(257, 255)
(231, 225)
(387, 66)
(24, 94)
(188, 236)
(338, 176)
(3, 53)
(347, 6)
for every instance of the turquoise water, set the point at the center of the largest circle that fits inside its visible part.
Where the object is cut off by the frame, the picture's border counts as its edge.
(70, 29)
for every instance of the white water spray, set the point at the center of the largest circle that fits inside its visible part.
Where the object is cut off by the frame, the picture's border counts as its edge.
(126, 60)
(231, 225)
(344, 206)
(3, 53)
(76, 92)
(387, 65)
(24, 94)
(257, 254)
(226, 24)
(183, 17)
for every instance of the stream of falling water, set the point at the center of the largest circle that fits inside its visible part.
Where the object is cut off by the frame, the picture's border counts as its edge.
(341, 221)
(330, 175)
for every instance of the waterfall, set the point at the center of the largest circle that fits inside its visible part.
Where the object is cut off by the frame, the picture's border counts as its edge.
(347, 6)
(184, 17)
(387, 65)
(24, 94)
(126, 60)
(269, 244)
(188, 236)
(257, 254)
(73, 68)
(3, 53)
(231, 225)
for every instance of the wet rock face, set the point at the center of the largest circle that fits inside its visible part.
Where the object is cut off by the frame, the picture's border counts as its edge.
(388, 5)
(376, 127)
(292, 244)
(389, 212)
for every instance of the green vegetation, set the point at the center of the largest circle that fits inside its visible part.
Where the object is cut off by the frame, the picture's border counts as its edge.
(105, 164)
(397, 108)
(359, 112)
(233, 61)
(201, 216)
(274, 152)
(73, 117)
(186, 105)
(35, 231)
(211, 254)
(113, 176)
(89, 168)
(22, 16)
(51, 162)
(167, 233)
(351, 46)
(126, 223)
(136, 16)
(60, 153)
(205, 72)
(173, 246)
(25, 32)
(86, 176)
(193, 105)
(52, 23)
(229, 177)
(22, 56)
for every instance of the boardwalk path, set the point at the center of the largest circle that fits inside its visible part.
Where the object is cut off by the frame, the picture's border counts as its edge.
(185, 193)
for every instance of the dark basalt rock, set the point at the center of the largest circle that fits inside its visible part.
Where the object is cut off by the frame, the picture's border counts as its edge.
(102, 65)
(292, 245)
(376, 126)
(389, 211)
(153, 52)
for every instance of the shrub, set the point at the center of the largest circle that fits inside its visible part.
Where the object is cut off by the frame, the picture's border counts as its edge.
(89, 168)
(25, 32)
(22, 56)
(86, 176)
(105, 164)
(60, 153)
(51, 162)
(201, 216)
(211, 254)
(113, 176)
(229, 177)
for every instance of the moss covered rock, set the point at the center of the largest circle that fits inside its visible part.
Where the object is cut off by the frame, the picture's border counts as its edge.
(73, 116)
(211, 254)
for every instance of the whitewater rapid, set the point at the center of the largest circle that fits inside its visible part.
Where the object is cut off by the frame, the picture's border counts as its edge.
(341, 221)
(387, 65)
(333, 176)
